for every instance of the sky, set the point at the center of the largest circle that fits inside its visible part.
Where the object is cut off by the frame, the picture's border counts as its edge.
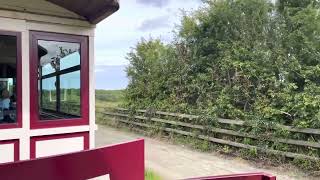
(136, 19)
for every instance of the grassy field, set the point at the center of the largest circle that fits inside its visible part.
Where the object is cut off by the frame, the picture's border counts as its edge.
(109, 98)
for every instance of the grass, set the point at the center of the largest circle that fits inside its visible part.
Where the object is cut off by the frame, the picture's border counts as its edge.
(150, 175)
(109, 98)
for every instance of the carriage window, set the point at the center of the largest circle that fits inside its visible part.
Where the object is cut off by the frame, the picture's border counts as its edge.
(59, 80)
(8, 79)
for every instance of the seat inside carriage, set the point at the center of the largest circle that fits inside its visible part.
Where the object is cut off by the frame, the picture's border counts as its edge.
(8, 79)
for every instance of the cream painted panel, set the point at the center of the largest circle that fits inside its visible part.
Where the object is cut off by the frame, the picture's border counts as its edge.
(59, 146)
(38, 7)
(25, 136)
(7, 134)
(58, 28)
(61, 130)
(43, 18)
(6, 153)
(12, 24)
(92, 88)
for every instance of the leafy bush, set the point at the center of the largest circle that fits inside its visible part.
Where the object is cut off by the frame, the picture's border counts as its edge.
(239, 59)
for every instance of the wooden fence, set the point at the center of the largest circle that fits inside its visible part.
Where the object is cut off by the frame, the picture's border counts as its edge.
(173, 124)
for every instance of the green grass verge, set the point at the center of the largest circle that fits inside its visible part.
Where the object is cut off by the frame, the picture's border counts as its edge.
(109, 98)
(149, 175)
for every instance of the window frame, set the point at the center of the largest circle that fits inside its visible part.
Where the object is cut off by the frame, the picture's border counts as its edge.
(18, 123)
(35, 121)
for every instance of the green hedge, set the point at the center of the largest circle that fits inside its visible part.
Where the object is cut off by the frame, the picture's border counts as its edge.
(237, 59)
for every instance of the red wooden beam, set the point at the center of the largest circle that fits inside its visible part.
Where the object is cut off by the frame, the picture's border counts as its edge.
(122, 161)
(249, 176)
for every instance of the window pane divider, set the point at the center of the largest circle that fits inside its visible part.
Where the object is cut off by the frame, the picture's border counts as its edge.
(65, 71)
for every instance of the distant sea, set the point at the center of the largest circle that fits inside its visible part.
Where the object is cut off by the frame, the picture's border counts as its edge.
(111, 77)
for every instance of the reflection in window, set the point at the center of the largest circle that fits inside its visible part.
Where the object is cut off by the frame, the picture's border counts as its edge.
(49, 97)
(8, 79)
(70, 94)
(59, 80)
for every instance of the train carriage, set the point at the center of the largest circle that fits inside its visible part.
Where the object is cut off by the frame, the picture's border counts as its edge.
(47, 76)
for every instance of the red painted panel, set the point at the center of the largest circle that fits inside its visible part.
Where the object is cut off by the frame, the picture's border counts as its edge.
(249, 176)
(35, 121)
(16, 145)
(122, 161)
(33, 141)
(18, 124)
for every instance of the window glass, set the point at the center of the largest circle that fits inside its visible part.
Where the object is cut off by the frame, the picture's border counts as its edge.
(47, 69)
(70, 61)
(49, 91)
(70, 93)
(59, 80)
(8, 79)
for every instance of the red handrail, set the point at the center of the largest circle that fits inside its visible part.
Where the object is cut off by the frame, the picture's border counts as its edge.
(248, 176)
(122, 162)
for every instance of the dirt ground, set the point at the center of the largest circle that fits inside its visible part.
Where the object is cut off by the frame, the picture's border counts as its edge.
(177, 162)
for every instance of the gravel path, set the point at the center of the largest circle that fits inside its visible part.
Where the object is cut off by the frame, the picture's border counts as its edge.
(177, 162)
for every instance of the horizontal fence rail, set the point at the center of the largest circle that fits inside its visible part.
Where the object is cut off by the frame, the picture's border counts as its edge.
(124, 117)
(229, 121)
(249, 176)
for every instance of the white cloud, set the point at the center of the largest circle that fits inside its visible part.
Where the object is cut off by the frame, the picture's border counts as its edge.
(160, 22)
(155, 3)
(118, 33)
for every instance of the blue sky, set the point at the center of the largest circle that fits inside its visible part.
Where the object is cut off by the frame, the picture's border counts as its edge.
(116, 35)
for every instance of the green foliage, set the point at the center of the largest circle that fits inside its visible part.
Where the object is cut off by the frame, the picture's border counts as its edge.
(109, 98)
(147, 71)
(244, 153)
(109, 95)
(306, 164)
(150, 175)
(239, 59)
(106, 100)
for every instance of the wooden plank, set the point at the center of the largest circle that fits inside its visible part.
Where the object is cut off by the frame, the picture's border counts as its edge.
(241, 123)
(225, 131)
(226, 142)
(245, 146)
(233, 122)
(300, 130)
(115, 114)
(171, 122)
(234, 133)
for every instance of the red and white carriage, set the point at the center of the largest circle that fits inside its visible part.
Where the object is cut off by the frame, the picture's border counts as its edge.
(47, 76)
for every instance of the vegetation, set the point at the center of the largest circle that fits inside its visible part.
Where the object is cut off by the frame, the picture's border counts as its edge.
(150, 175)
(69, 101)
(237, 59)
(109, 98)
